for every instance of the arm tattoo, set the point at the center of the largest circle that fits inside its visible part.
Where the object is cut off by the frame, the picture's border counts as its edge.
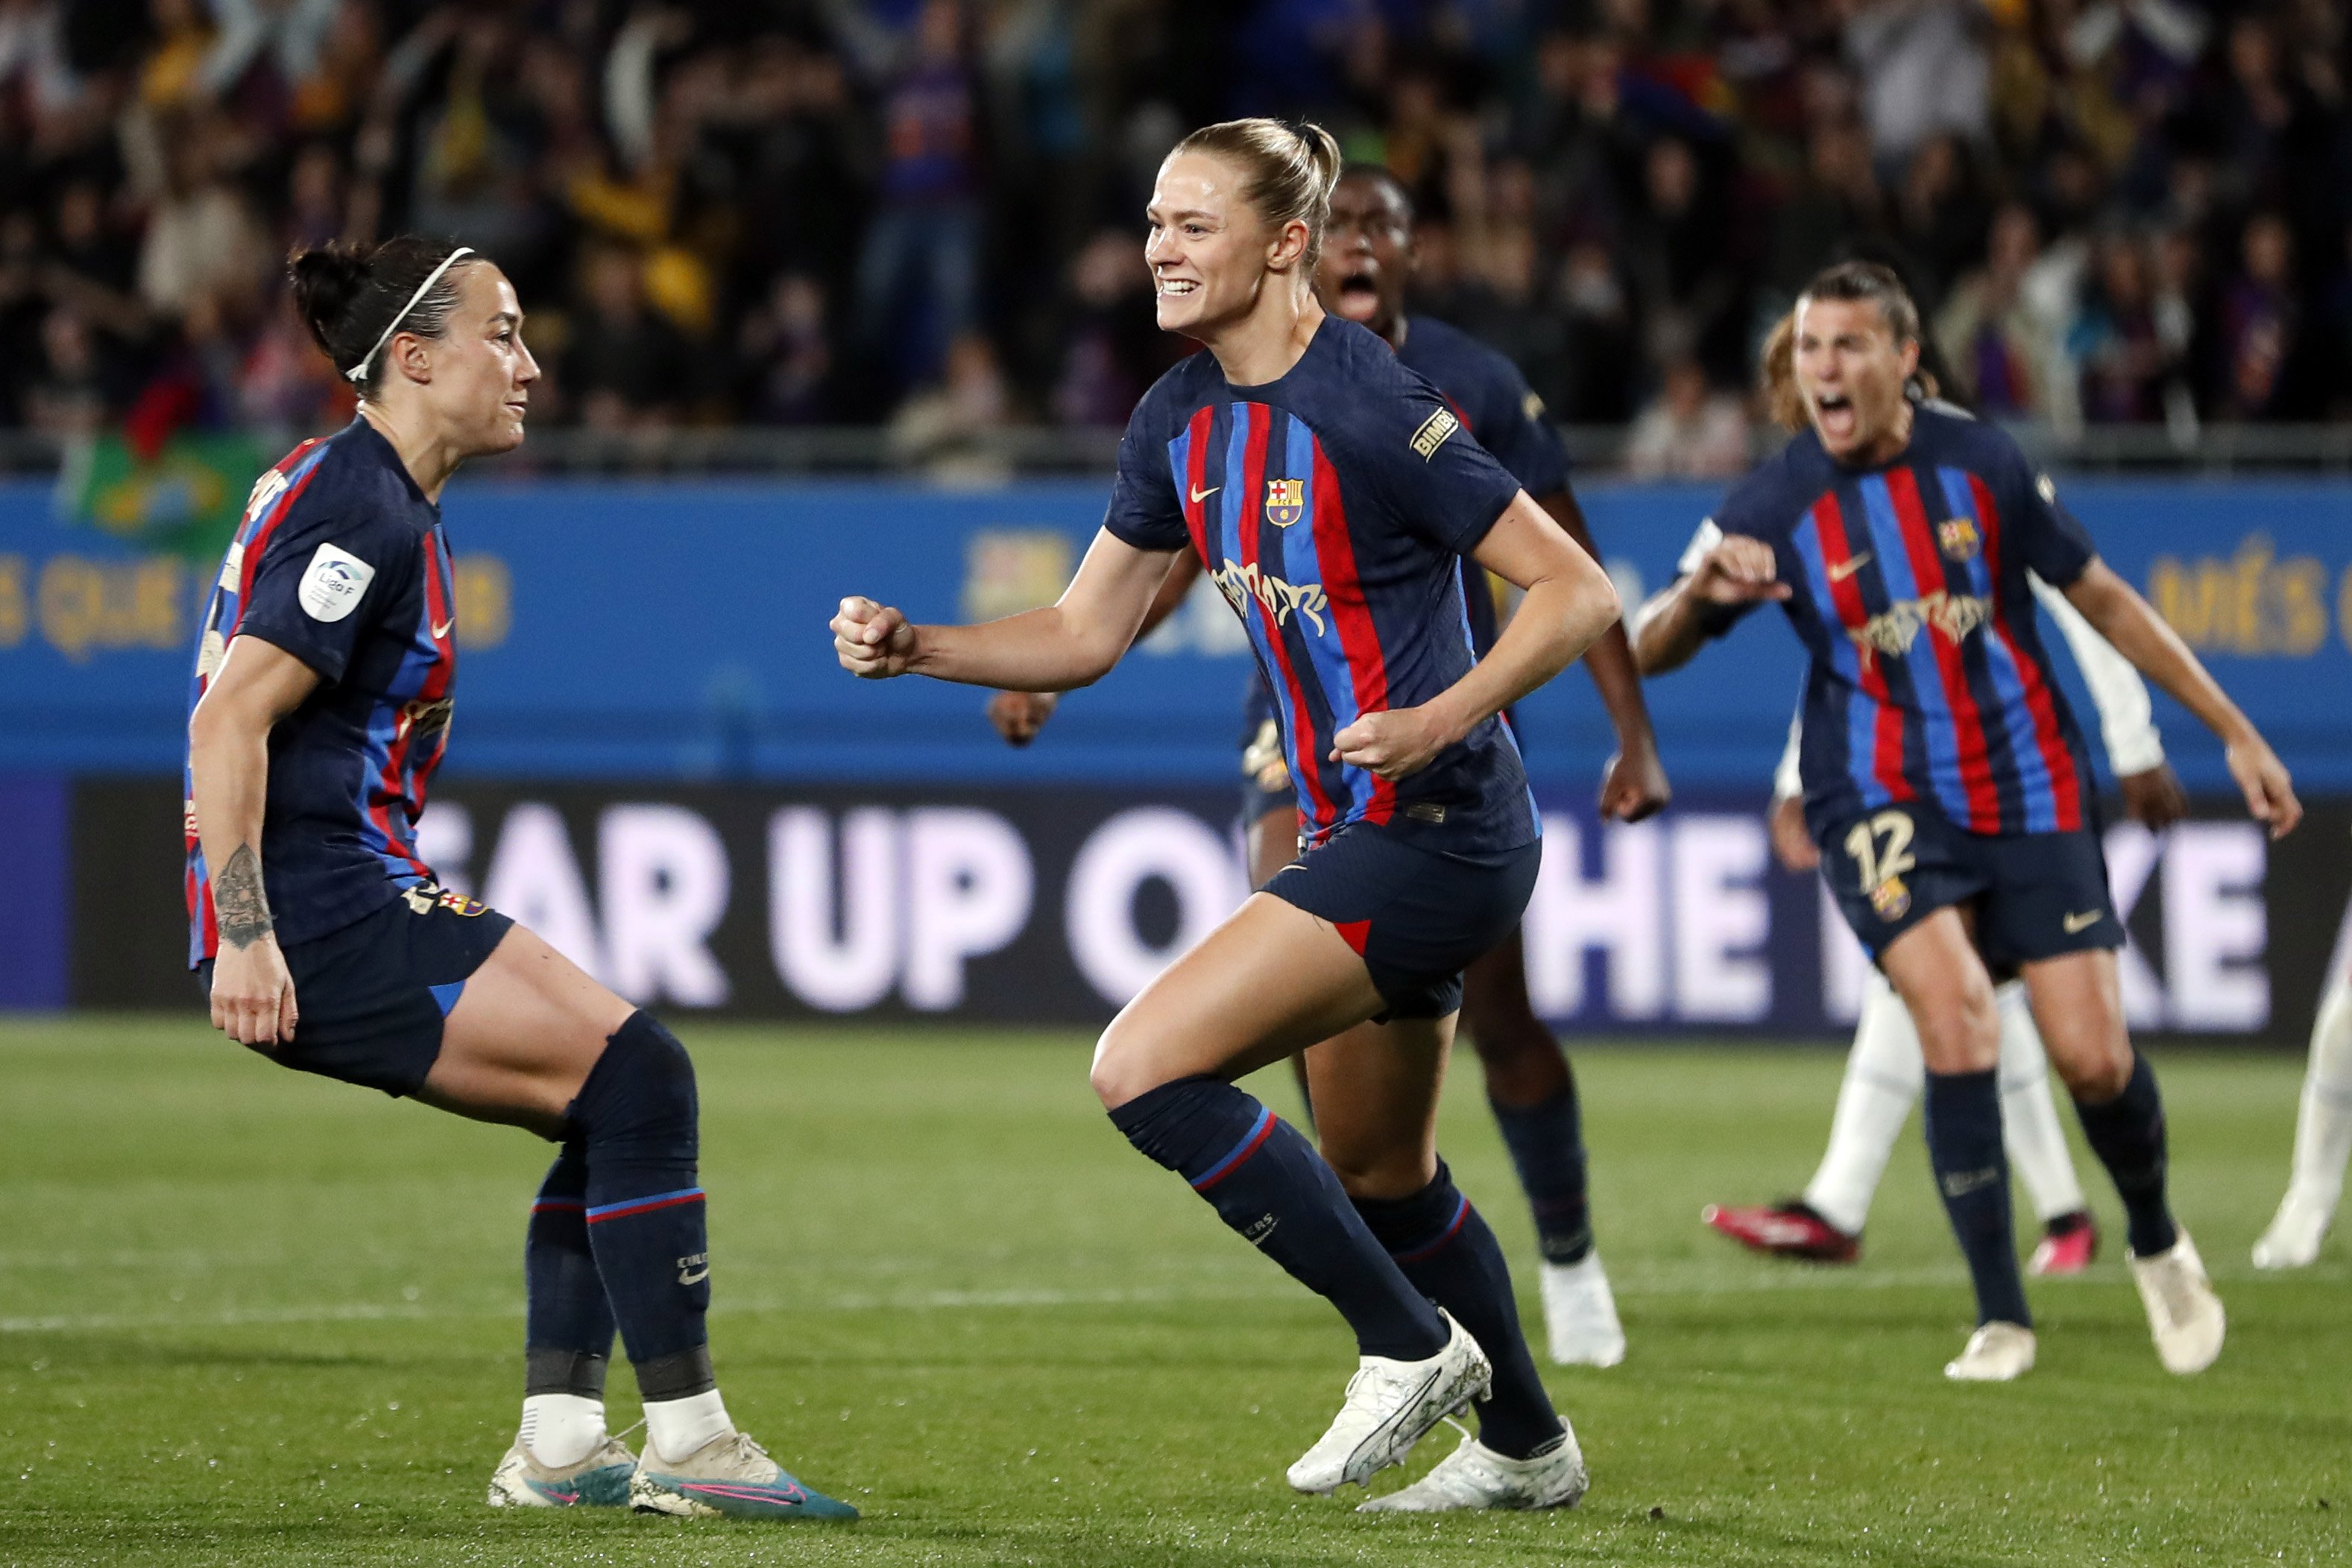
(241, 907)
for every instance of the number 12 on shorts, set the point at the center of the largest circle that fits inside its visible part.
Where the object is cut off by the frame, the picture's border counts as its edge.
(1880, 848)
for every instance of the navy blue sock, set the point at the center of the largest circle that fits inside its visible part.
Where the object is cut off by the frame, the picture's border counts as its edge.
(1448, 1252)
(1547, 1144)
(2127, 1135)
(1269, 1183)
(568, 1322)
(636, 1116)
(1962, 1111)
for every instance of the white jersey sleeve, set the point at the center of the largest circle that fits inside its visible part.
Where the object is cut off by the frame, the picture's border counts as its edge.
(1787, 782)
(2126, 721)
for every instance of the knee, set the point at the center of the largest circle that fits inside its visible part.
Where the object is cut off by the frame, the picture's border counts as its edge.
(1371, 1173)
(1959, 1030)
(1122, 1064)
(2097, 1071)
(643, 1081)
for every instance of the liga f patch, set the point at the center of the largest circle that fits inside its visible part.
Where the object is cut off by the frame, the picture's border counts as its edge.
(332, 584)
(1433, 432)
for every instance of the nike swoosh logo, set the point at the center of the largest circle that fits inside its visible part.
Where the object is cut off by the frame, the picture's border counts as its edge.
(1846, 568)
(1200, 496)
(2077, 924)
(441, 629)
(697, 1277)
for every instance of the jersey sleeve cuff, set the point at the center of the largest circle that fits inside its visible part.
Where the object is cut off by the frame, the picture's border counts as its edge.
(326, 662)
(2138, 753)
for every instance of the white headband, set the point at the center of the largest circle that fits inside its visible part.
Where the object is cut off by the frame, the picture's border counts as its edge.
(358, 373)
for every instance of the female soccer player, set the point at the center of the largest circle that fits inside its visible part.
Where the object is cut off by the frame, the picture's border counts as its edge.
(1944, 780)
(321, 701)
(1366, 263)
(1331, 492)
(1883, 1073)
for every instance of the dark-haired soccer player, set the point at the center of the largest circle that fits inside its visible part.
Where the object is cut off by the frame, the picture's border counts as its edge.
(1332, 494)
(321, 707)
(1944, 779)
(1367, 263)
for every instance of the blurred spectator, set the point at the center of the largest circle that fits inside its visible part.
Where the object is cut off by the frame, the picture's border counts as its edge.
(1924, 72)
(67, 397)
(203, 245)
(625, 368)
(917, 276)
(787, 358)
(2128, 362)
(2259, 325)
(2000, 352)
(1691, 432)
(1108, 338)
(939, 427)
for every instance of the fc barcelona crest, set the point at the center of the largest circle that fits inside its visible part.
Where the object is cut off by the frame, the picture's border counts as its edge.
(1286, 501)
(1956, 538)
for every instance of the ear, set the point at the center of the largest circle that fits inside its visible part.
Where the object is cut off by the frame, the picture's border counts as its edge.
(1909, 358)
(412, 356)
(1289, 247)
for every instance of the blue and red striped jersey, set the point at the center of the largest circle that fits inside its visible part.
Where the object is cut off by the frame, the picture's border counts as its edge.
(341, 562)
(1332, 508)
(1929, 683)
(1497, 407)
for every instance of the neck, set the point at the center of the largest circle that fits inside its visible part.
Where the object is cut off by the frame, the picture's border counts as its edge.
(1393, 329)
(429, 461)
(1263, 345)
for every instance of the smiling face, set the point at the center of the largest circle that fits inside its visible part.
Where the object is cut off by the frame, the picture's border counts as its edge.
(1850, 371)
(1211, 253)
(477, 376)
(1368, 254)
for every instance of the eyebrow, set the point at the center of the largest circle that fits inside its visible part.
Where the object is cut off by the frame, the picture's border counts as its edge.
(512, 319)
(1180, 215)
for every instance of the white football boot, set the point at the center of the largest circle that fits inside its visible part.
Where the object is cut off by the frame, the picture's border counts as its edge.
(1996, 1353)
(1476, 1477)
(2183, 1312)
(2296, 1231)
(601, 1479)
(1390, 1406)
(1581, 1315)
(728, 1475)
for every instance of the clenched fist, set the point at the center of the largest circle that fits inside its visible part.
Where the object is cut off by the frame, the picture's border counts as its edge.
(872, 643)
(1394, 744)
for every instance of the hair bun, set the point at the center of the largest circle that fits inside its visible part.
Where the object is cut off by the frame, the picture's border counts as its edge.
(327, 280)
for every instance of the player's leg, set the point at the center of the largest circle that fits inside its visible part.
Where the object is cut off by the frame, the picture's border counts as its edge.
(531, 1039)
(1935, 968)
(1270, 981)
(2323, 1138)
(1378, 1085)
(1271, 816)
(1531, 1090)
(2036, 1143)
(2078, 1005)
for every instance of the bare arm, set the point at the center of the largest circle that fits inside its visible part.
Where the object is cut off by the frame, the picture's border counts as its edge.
(1019, 716)
(228, 762)
(1072, 643)
(1634, 786)
(1567, 602)
(1671, 626)
(2115, 609)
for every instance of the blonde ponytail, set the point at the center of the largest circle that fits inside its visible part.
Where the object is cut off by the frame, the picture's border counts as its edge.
(1288, 172)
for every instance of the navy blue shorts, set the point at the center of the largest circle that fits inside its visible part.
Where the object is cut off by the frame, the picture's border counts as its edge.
(1417, 916)
(369, 999)
(2035, 895)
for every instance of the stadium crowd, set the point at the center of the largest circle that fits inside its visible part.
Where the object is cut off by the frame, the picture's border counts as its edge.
(804, 212)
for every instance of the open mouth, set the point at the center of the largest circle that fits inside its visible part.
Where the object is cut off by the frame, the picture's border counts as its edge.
(1359, 296)
(1836, 413)
(1177, 287)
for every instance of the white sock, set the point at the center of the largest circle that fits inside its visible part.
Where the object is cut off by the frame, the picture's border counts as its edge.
(675, 1429)
(1884, 1074)
(2030, 1127)
(2323, 1131)
(561, 1429)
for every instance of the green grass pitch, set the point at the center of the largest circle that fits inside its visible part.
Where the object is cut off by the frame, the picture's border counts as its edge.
(250, 1317)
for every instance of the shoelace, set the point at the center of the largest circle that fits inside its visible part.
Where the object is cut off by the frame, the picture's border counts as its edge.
(2175, 1289)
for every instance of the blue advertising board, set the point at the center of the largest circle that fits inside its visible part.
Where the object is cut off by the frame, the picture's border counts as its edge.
(660, 629)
